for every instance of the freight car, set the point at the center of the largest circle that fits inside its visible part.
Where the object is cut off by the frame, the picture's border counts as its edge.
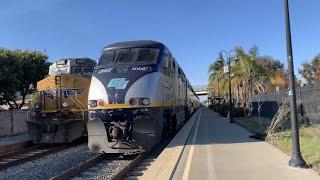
(60, 111)
(138, 95)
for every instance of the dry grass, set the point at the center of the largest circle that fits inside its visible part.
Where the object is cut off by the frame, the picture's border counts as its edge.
(309, 144)
(309, 139)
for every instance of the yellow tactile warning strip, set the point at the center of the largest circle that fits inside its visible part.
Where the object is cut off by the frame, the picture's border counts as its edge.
(186, 171)
(164, 165)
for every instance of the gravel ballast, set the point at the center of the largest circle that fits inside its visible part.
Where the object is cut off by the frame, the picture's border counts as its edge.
(104, 170)
(49, 166)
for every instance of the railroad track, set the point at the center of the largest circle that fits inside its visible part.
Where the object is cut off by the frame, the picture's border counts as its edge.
(138, 169)
(28, 154)
(132, 170)
(91, 167)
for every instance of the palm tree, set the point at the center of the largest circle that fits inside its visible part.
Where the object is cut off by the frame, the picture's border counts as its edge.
(311, 71)
(251, 74)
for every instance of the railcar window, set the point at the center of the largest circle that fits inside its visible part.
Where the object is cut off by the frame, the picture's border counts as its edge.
(147, 55)
(126, 56)
(107, 58)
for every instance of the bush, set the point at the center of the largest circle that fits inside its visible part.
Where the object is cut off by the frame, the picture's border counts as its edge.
(239, 112)
(223, 110)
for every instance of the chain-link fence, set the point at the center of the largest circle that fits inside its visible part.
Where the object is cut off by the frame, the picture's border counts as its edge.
(308, 103)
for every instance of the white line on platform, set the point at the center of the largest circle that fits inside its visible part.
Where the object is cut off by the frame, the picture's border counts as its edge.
(186, 171)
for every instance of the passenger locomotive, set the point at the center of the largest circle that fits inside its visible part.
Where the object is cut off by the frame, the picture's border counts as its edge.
(138, 95)
(60, 110)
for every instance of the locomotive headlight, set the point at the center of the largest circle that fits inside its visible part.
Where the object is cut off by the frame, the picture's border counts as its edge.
(92, 103)
(133, 101)
(95, 103)
(139, 101)
(145, 101)
(65, 105)
(100, 102)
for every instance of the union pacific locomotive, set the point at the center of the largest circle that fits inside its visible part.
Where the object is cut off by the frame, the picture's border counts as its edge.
(60, 108)
(138, 95)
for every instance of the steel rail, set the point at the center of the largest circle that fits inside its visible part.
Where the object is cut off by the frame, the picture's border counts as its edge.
(126, 170)
(80, 168)
(14, 160)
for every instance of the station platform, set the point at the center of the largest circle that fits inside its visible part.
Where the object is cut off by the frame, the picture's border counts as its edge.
(13, 143)
(209, 147)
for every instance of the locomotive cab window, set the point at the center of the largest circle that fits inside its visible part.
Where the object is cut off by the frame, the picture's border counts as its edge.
(107, 58)
(126, 56)
(147, 56)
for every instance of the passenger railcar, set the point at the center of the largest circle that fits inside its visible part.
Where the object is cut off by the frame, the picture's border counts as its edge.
(60, 108)
(138, 95)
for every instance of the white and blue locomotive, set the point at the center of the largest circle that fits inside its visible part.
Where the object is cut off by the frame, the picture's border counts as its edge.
(138, 95)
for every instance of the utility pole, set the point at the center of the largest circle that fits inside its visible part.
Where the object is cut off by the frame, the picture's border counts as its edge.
(296, 159)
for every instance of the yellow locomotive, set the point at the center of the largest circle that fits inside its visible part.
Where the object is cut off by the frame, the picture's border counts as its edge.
(60, 111)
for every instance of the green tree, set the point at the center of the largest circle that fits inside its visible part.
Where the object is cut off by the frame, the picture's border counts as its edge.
(8, 77)
(20, 72)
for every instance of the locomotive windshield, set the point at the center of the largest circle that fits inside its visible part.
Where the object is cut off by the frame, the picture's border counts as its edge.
(107, 58)
(79, 68)
(147, 55)
(129, 56)
(126, 56)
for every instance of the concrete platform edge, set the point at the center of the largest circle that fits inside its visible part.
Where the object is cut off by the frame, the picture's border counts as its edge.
(165, 164)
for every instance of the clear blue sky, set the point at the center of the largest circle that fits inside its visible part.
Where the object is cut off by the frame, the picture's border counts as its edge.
(194, 30)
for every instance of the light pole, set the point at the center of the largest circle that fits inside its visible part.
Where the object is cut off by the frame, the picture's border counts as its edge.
(219, 92)
(296, 159)
(228, 56)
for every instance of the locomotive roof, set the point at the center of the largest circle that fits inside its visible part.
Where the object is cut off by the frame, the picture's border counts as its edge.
(135, 44)
(73, 61)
